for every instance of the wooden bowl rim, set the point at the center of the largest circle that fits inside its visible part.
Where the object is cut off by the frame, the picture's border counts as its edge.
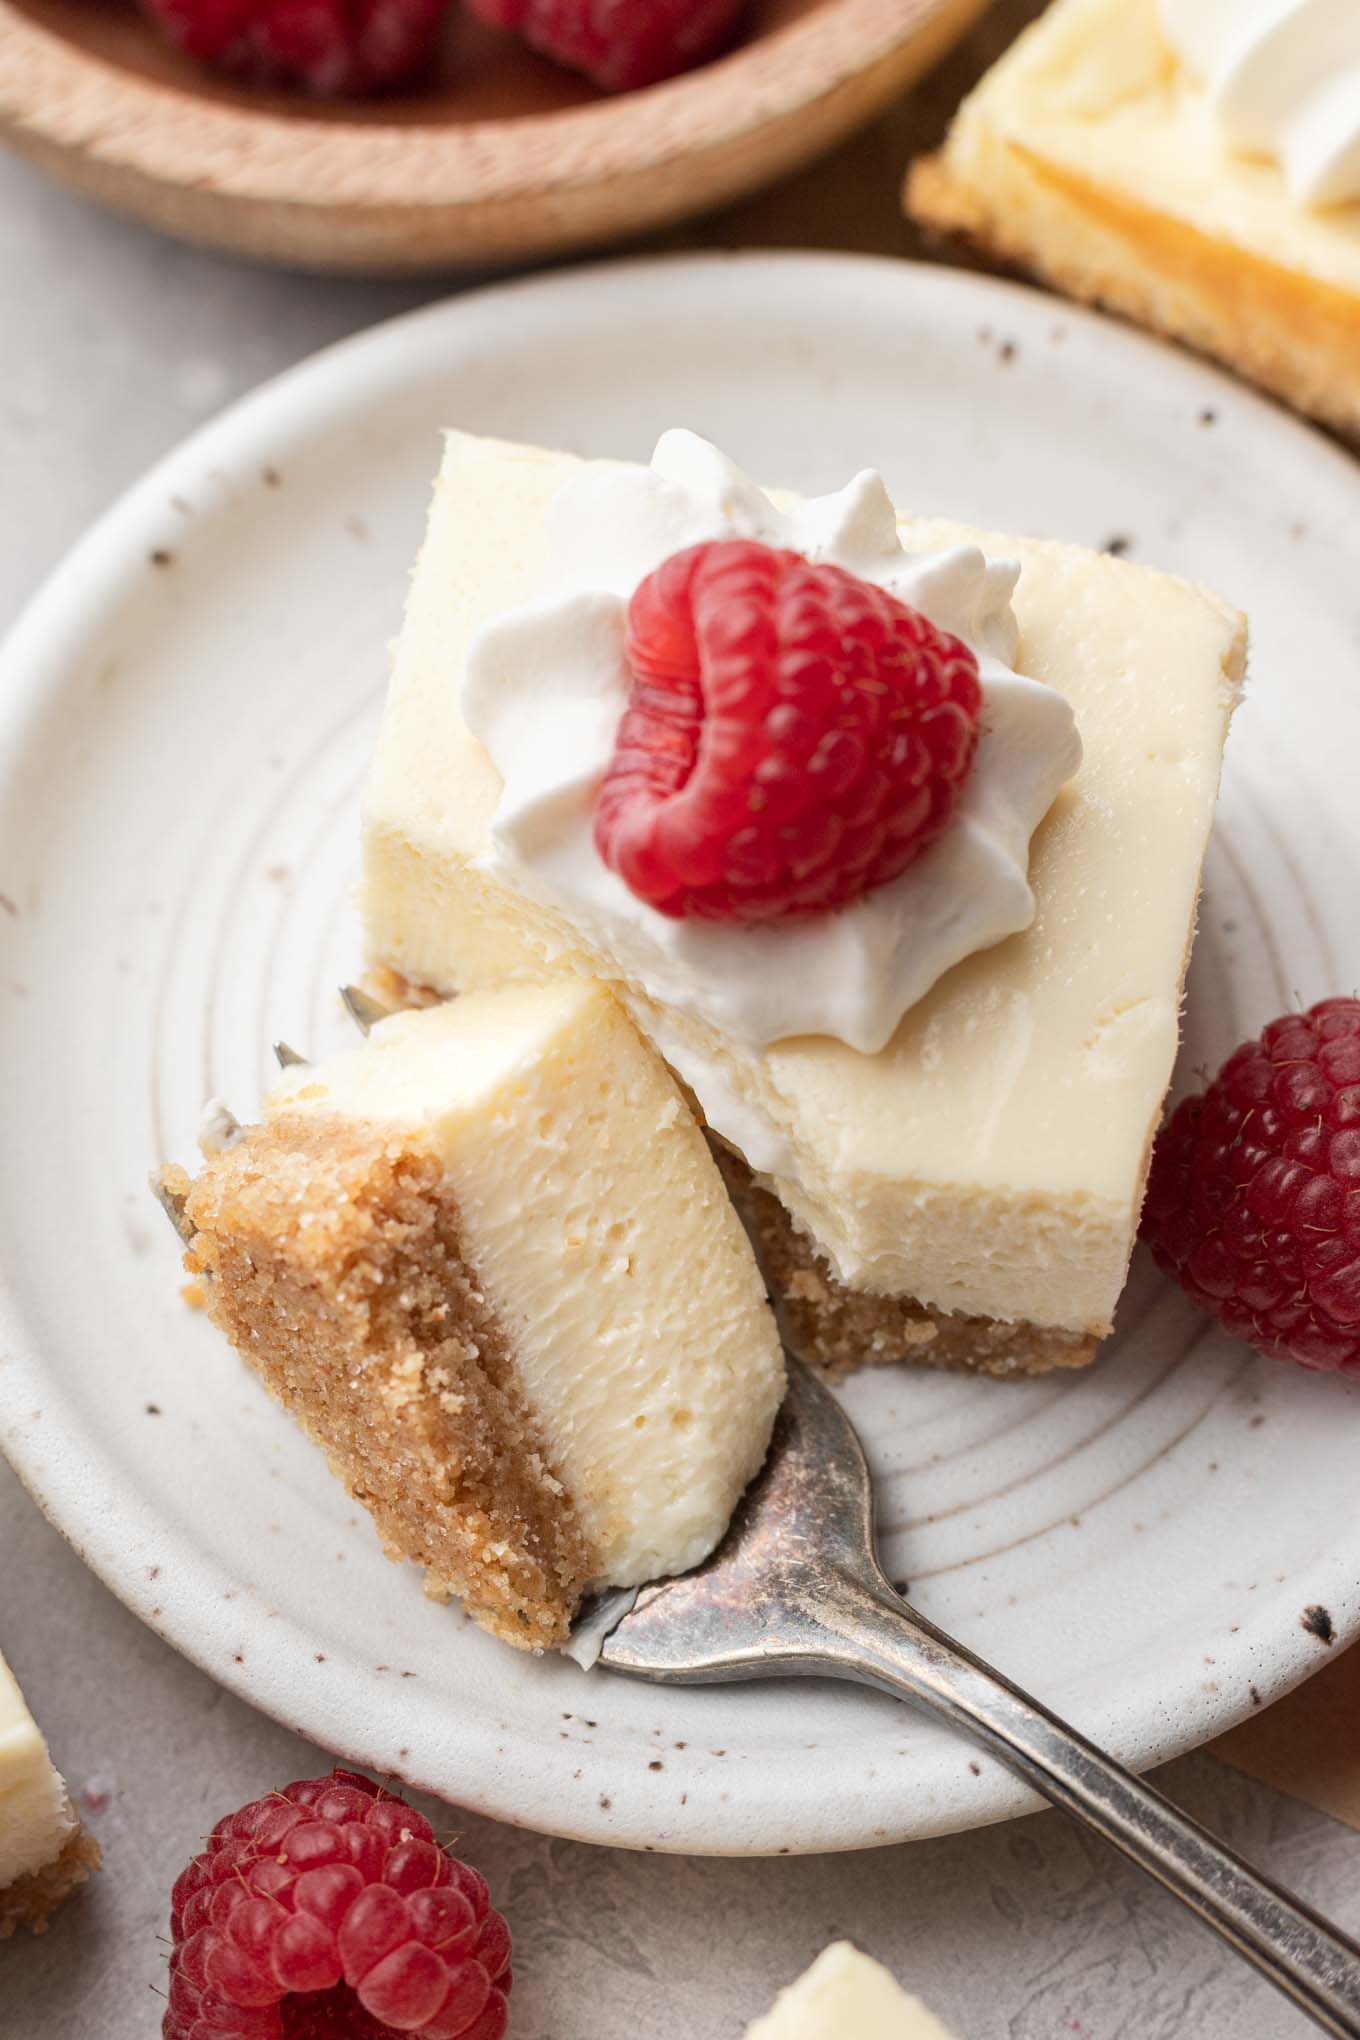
(74, 99)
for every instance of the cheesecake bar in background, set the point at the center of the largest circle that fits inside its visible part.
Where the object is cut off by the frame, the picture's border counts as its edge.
(847, 1996)
(45, 1853)
(1192, 164)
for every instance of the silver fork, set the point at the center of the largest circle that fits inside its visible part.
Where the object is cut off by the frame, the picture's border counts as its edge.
(796, 1591)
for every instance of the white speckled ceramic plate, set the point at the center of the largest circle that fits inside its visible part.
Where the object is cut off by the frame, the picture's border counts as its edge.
(187, 710)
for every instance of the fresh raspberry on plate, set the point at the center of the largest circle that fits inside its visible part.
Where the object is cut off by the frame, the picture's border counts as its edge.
(1253, 1203)
(326, 1911)
(794, 736)
(620, 44)
(328, 47)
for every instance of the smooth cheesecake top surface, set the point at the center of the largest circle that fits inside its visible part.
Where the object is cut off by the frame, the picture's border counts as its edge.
(35, 1819)
(594, 1217)
(847, 1996)
(1027, 1084)
(1094, 87)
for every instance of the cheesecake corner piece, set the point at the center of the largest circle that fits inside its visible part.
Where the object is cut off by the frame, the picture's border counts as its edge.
(1087, 156)
(45, 1852)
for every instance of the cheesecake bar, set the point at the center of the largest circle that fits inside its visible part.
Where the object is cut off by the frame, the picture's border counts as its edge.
(964, 1192)
(847, 1996)
(488, 1263)
(45, 1853)
(1184, 167)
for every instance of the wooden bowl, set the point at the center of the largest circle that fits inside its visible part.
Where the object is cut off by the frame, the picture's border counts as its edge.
(497, 157)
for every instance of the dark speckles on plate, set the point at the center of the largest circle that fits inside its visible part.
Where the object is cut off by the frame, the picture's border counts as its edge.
(1318, 1622)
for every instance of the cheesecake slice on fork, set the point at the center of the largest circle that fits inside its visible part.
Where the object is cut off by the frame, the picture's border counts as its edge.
(487, 1262)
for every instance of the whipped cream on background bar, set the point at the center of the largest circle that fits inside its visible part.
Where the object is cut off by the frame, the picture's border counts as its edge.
(546, 687)
(990, 1158)
(1283, 80)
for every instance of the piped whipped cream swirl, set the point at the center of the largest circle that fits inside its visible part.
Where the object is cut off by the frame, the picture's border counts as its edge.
(1283, 79)
(547, 684)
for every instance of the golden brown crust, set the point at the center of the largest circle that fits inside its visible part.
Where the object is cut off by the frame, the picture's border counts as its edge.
(837, 1330)
(1288, 331)
(31, 1901)
(336, 1267)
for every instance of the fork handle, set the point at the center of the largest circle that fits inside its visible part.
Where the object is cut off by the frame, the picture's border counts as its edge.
(877, 1640)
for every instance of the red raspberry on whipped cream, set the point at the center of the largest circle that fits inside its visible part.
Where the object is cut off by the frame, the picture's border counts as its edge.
(795, 736)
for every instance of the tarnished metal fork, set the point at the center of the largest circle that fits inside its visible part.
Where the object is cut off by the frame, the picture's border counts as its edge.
(796, 1591)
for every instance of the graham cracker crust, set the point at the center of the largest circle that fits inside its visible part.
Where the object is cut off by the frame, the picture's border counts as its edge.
(837, 1330)
(31, 1901)
(335, 1265)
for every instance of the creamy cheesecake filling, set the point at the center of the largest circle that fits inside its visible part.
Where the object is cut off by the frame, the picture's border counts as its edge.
(847, 1996)
(990, 1159)
(36, 1820)
(593, 1218)
(45, 1853)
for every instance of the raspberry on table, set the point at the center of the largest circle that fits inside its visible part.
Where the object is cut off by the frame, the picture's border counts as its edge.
(327, 1911)
(328, 47)
(620, 44)
(1253, 1202)
(794, 736)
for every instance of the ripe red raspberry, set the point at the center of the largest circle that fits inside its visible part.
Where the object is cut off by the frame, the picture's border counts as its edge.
(1253, 1203)
(620, 44)
(794, 737)
(328, 47)
(327, 1912)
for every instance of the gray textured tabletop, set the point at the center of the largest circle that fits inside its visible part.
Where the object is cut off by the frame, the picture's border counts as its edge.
(113, 345)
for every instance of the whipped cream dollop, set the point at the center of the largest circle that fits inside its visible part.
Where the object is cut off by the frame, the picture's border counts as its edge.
(547, 684)
(1283, 79)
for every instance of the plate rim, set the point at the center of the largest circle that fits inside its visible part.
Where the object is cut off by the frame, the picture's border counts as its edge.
(348, 376)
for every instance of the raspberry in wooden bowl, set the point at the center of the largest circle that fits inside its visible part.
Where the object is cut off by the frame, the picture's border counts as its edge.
(491, 151)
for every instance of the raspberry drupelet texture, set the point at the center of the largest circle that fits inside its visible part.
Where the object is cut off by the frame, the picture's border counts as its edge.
(1253, 1202)
(794, 736)
(327, 1911)
(328, 47)
(620, 44)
